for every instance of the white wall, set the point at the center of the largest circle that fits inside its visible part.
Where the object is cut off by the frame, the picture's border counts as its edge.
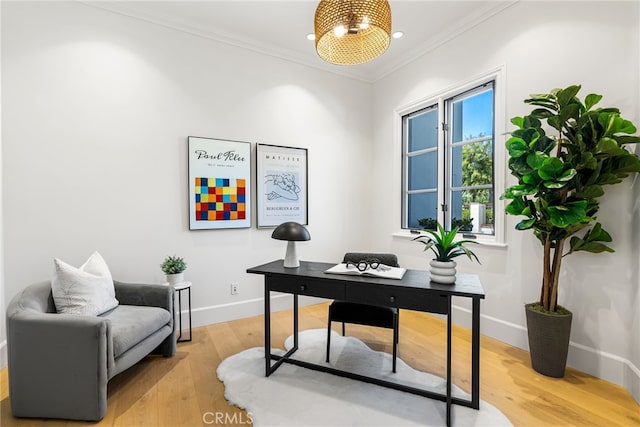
(633, 370)
(3, 331)
(541, 47)
(97, 108)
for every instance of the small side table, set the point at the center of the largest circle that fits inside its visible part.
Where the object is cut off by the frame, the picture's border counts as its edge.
(179, 288)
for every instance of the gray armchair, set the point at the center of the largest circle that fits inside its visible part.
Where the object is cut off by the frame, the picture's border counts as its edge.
(59, 364)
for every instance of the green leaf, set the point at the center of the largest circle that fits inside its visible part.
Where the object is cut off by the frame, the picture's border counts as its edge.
(587, 161)
(536, 159)
(568, 214)
(566, 95)
(518, 121)
(517, 147)
(555, 122)
(591, 100)
(532, 178)
(550, 168)
(591, 192)
(597, 233)
(596, 247)
(575, 244)
(625, 126)
(627, 164)
(626, 139)
(570, 111)
(542, 113)
(516, 206)
(519, 190)
(525, 224)
(567, 175)
(608, 179)
(519, 166)
(554, 184)
(531, 122)
(608, 146)
(607, 120)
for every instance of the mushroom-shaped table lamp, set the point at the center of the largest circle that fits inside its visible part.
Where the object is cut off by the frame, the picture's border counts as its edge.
(292, 232)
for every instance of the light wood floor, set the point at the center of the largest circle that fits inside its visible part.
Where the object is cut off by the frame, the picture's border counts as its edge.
(178, 391)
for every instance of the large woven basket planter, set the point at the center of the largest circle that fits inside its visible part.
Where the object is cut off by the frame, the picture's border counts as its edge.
(548, 341)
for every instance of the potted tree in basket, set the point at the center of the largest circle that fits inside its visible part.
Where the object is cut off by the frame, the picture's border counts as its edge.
(173, 267)
(444, 246)
(561, 176)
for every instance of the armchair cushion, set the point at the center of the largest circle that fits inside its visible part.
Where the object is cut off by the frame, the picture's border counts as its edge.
(131, 324)
(86, 290)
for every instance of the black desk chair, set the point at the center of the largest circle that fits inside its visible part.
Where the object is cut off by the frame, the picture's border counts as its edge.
(365, 314)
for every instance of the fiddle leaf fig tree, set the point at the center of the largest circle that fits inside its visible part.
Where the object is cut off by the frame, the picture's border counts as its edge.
(562, 169)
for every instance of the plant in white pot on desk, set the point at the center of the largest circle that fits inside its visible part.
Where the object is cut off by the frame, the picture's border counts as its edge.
(174, 267)
(445, 247)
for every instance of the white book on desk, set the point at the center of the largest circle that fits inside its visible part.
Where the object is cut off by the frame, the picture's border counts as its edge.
(383, 271)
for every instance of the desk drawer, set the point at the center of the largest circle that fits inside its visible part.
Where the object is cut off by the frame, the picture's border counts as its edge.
(306, 286)
(399, 298)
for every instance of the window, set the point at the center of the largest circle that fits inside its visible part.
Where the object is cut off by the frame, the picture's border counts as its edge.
(448, 161)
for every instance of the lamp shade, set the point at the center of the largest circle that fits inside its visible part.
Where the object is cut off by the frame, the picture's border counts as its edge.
(352, 32)
(291, 231)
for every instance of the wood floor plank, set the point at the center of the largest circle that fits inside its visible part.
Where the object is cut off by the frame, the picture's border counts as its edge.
(184, 390)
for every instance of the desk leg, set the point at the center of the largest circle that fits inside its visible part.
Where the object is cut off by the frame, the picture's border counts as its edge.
(449, 361)
(179, 316)
(475, 354)
(267, 330)
(295, 322)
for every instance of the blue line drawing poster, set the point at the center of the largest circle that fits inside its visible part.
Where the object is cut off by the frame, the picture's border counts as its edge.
(281, 185)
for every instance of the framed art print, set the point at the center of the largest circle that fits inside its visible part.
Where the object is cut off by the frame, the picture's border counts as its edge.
(219, 183)
(281, 185)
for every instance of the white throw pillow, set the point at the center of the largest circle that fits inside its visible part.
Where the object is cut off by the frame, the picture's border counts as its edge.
(86, 290)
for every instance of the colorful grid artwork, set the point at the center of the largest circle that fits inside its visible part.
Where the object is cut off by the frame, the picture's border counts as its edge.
(220, 199)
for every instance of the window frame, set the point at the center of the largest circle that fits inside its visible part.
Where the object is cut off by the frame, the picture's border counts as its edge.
(499, 158)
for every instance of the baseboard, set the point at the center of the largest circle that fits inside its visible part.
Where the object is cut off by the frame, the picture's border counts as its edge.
(247, 308)
(600, 364)
(3, 354)
(594, 362)
(632, 381)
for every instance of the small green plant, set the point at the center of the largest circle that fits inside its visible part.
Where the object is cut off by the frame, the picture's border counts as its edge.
(428, 223)
(442, 243)
(465, 224)
(173, 265)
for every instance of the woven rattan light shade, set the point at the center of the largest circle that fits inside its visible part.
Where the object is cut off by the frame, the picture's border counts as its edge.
(364, 30)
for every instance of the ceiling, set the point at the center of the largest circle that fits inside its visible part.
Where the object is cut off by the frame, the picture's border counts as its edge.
(278, 28)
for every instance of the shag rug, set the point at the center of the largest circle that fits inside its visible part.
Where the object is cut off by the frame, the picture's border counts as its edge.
(296, 396)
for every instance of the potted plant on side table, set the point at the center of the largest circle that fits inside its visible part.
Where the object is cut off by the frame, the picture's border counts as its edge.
(173, 267)
(444, 246)
(561, 176)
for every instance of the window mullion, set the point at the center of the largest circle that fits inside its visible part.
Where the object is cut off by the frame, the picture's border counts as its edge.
(442, 167)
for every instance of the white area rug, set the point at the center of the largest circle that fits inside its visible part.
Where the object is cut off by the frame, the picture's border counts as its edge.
(296, 396)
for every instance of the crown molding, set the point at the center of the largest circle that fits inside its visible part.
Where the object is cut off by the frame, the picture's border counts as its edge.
(368, 73)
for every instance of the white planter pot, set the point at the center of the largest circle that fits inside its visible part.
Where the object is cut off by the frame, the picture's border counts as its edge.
(442, 272)
(175, 278)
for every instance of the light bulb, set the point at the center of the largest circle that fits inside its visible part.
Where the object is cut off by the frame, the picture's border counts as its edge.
(339, 31)
(365, 23)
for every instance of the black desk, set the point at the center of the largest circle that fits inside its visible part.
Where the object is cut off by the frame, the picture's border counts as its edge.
(413, 292)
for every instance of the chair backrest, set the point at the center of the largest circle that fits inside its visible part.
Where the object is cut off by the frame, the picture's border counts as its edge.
(387, 259)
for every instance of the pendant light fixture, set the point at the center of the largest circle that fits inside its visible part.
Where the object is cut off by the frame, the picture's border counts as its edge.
(350, 32)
